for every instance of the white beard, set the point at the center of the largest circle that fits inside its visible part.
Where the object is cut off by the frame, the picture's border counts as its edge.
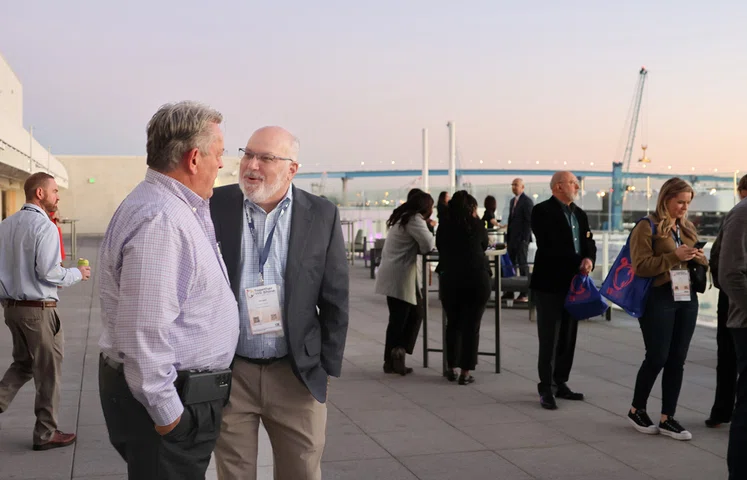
(262, 192)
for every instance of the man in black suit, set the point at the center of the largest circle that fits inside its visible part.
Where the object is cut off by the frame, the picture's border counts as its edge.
(286, 263)
(519, 232)
(565, 248)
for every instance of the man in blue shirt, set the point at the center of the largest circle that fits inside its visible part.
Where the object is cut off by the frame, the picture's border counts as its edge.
(30, 273)
(285, 257)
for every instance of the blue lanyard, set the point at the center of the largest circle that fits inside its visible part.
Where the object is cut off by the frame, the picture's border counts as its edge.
(29, 209)
(677, 238)
(264, 253)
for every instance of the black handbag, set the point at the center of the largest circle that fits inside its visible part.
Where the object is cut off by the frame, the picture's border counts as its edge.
(698, 276)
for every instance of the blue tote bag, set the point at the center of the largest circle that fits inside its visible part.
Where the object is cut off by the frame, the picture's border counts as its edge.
(583, 299)
(622, 286)
(507, 267)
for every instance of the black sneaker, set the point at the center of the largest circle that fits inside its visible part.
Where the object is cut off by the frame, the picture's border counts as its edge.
(672, 428)
(641, 422)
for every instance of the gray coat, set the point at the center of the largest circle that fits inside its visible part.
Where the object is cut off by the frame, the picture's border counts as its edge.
(398, 272)
(732, 264)
(316, 280)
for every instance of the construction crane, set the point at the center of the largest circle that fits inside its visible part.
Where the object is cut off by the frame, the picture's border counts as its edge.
(620, 169)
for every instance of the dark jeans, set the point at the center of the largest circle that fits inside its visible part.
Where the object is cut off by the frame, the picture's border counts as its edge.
(396, 337)
(518, 252)
(667, 328)
(464, 305)
(736, 458)
(726, 369)
(557, 340)
(183, 453)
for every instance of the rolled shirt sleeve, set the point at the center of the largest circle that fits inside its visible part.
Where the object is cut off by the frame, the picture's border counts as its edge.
(157, 269)
(48, 259)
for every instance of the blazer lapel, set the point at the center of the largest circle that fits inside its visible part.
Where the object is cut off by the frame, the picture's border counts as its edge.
(301, 222)
(233, 219)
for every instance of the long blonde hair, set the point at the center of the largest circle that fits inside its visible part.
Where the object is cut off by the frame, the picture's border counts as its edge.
(665, 223)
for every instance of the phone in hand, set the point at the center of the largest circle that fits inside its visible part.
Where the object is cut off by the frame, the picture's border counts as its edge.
(700, 245)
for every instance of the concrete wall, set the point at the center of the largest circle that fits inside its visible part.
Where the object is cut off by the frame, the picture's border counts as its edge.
(11, 94)
(114, 177)
(93, 204)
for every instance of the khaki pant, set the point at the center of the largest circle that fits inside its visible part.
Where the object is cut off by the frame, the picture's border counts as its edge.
(37, 354)
(295, 422)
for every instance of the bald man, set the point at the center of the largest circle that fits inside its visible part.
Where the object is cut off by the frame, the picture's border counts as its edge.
(519, 233)
(287, 266)
(565, 248)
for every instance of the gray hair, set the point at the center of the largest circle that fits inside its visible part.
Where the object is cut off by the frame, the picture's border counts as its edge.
(177, 128)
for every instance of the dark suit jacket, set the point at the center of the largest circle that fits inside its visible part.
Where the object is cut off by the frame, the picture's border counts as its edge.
(316, 276)
(556, 261)
(520, 220)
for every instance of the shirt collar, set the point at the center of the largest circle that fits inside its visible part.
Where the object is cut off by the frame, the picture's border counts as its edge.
(37, 208)
(177, 188)
(288, 198)
(571, 208)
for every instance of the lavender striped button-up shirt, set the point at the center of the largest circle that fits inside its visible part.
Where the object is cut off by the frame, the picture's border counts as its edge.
(166, 302)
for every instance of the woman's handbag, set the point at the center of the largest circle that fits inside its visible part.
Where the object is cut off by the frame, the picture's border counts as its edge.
(698, 276)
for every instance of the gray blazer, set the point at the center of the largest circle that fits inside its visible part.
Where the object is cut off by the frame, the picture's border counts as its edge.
(316, 280)
(732, 264)
(398, 271)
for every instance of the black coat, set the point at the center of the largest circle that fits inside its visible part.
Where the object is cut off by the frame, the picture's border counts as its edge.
(520, 220)
(556, 261)
(461, 253)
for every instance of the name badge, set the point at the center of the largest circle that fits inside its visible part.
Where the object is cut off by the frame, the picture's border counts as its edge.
(680, 285)
(263, 307)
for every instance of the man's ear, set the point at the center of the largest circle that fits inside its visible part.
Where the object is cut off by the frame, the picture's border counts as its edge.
(293, 169)
(190, 160)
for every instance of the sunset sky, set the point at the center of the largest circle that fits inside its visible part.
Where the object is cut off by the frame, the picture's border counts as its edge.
(532, 81)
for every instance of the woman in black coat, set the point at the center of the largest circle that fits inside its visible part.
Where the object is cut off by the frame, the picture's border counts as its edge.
(464, 282)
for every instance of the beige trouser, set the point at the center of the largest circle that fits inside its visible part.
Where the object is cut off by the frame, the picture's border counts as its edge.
(295, 422)
(37, 354)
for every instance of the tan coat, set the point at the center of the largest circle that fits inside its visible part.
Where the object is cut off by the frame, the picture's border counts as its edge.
(659, 259)
(398, 272)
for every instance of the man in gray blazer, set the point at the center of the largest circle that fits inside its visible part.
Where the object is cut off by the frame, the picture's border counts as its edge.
(287, 265)
(732, 276)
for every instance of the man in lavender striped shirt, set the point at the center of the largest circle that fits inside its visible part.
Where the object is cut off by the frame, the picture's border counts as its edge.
(170, 318)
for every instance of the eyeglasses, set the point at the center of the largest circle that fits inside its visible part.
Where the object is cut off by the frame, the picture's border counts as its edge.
(572, 183)
(262, 157)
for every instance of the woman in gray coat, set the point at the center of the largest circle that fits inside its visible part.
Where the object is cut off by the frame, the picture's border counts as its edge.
(398, 274)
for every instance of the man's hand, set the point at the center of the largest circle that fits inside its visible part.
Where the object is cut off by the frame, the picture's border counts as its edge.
(586, 266)
(164, 429)
(431, 222)
(85, 272)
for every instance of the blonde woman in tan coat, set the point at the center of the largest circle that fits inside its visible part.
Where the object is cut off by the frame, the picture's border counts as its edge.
(671, 312)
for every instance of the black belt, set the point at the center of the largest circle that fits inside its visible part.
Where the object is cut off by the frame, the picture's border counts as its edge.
(261, 361)
(192, 386)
